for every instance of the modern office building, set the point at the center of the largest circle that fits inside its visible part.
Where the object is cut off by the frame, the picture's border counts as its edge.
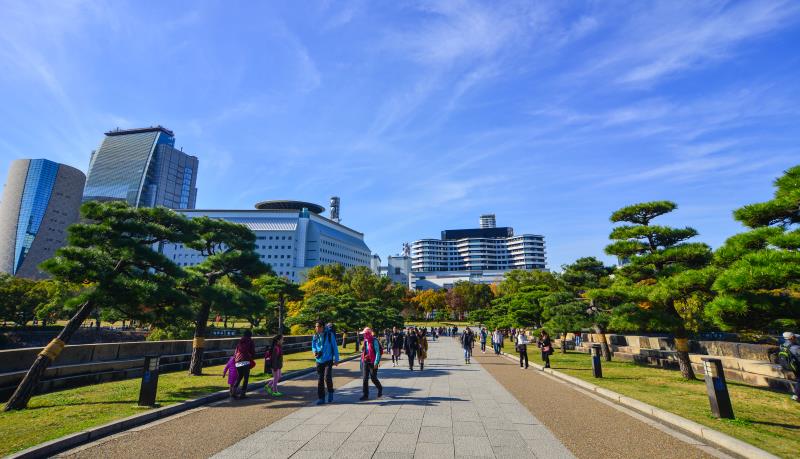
(40, 199)
(480, 255)
(291, 236)
(398, 269)
(143, 168)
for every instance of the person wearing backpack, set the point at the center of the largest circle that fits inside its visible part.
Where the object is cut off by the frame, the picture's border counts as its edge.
(370, 359)
(326, 355)
(273, 362)
(789, 358)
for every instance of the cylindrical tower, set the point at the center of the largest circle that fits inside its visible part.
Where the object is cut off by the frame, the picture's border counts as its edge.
(488, 221)
(41, 198)
(335, 202)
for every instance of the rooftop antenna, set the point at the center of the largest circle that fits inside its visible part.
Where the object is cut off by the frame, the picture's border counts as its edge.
(406, 249)
(335, 203)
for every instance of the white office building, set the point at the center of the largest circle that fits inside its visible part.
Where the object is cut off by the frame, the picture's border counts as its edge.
(480, 255)
(291, 236)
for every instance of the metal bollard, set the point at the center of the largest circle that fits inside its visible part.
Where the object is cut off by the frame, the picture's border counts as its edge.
(147, 391)
(717, 389)
(597, 368)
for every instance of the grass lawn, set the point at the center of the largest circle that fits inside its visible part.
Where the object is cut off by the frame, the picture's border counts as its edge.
(56, 414)
(767, 419)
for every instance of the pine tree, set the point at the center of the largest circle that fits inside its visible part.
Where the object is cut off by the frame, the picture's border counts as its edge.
(230, 253)
(664, 272)
(112, 254)
(759, 281)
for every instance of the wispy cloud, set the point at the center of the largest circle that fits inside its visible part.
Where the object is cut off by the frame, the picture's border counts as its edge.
(665, 38)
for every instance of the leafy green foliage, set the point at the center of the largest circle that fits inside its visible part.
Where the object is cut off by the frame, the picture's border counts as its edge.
(758, 284)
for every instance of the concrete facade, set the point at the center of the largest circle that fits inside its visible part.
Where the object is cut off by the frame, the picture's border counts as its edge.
(289, 240)
(29, 236)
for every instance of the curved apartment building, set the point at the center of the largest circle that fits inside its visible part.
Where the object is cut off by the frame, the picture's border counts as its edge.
(40, 199)
(478, 255)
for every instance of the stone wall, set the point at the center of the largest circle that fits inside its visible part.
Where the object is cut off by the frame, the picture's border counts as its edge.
(85, 364)
(752, 364)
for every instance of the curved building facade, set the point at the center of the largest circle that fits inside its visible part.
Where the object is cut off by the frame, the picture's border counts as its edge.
(143, 168)
(40, 199)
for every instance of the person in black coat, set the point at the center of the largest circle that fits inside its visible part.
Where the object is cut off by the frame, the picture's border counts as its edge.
(397, 339)
(547, 348)
(411, 346)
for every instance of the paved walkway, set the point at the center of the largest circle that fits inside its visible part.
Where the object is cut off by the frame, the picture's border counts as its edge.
(432, 413)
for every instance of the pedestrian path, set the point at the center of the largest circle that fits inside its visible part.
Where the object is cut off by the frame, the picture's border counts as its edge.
(450, 409)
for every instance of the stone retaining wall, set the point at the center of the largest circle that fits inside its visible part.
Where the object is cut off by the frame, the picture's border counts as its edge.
(752, 364)
(85, 364)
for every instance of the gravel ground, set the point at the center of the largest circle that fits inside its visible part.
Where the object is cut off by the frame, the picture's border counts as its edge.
(203, 432)
(589, 428)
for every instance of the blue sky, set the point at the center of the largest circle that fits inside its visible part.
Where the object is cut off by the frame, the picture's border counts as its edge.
(423, 115)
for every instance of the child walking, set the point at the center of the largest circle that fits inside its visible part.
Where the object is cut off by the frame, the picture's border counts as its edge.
(275, 362)
(230, 371)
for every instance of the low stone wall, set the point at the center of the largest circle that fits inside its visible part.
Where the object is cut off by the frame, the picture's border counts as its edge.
(752, 364)
(85, 364)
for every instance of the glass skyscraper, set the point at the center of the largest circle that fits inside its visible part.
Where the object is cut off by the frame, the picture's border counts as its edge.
(143, 168)
(40, 199)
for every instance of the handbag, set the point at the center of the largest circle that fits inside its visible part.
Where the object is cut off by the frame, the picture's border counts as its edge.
(547, 349)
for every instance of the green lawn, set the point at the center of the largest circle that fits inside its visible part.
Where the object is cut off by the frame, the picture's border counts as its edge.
(56, 414)
(767, 419)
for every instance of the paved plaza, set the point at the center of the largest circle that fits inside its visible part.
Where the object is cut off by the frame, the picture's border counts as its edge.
(448, 410)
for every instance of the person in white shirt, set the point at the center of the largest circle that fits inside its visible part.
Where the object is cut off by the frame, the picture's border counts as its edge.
(522, 347)
(497, 340)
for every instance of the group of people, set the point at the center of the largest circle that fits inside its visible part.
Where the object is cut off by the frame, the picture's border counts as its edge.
(413, 341)
(237, 370)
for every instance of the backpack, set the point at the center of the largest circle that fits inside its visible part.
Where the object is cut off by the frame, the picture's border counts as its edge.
(787, 360)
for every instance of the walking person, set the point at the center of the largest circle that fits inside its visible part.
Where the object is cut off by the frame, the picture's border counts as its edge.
(423, 350)
(497, 340)
(397, 345)
(370, 359)
(243, 356)
(233, 375)
(547, 347)
(483, 337)
(411, 347)
(466, 343)
(522, 348)
(275, 363)
(326, 355)
(789, 359)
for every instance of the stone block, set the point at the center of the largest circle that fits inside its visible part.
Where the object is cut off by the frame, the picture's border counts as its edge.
(104, 352)
(75, 354)
(18, 359)
(756, 351)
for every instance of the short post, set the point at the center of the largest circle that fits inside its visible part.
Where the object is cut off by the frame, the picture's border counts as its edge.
(597, 369)
(717, 388)
(147, 391)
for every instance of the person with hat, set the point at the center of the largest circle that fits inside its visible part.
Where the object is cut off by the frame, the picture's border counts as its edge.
(789, 358)
(370, 359)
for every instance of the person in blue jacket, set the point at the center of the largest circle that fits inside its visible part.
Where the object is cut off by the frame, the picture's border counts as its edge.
(326, 354)
(370, 359)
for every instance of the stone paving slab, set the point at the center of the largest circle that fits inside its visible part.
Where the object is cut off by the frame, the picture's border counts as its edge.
(448, 410)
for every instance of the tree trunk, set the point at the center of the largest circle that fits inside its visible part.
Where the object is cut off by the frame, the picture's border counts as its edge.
(606, 351)
(564, 343)
(682, 348)
(280, 313)
(226, 322)
(49, 354)
(198, 344)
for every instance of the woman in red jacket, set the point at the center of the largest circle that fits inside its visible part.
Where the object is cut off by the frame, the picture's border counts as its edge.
(244, 358)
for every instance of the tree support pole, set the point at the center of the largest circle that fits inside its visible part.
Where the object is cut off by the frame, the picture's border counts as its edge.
(22, 395)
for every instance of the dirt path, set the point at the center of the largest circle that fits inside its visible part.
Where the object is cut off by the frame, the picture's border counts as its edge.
(203, 432)
(588, 427)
